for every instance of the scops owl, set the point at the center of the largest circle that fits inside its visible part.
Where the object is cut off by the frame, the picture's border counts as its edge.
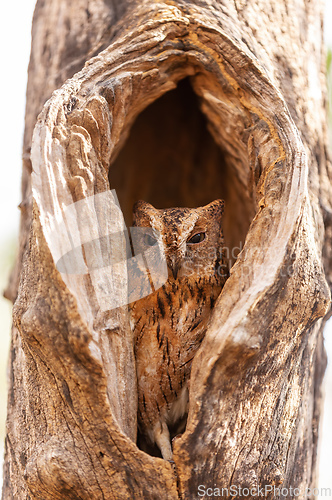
(169, 323)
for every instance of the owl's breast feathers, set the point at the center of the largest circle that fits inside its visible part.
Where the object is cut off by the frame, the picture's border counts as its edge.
(169, 326)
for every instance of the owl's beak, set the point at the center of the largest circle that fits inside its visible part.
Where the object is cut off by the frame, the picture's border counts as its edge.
(173, 265)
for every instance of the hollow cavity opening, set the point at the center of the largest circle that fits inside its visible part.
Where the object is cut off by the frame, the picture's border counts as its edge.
(170, 159)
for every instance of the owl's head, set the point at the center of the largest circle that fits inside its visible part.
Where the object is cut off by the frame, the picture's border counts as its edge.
(191, 238)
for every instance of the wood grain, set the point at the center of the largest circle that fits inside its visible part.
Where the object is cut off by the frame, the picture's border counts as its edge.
(257, 71)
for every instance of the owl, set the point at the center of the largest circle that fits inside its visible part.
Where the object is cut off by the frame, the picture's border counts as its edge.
(169, 324)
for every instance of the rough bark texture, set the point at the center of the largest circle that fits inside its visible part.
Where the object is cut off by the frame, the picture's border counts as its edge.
(256, 72)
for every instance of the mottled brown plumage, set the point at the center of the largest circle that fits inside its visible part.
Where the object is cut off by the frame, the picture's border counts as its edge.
(170, 323)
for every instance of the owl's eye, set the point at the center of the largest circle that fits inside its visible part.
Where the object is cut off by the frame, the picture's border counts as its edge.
(149, 240)
(197, 238)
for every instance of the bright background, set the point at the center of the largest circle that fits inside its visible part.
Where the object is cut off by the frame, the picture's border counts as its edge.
(15, 26)
(16, 19)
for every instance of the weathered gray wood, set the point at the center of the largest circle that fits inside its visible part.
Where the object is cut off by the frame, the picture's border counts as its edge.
(258, 71)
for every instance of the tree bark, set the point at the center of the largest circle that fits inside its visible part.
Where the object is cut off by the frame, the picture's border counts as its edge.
(216, 99)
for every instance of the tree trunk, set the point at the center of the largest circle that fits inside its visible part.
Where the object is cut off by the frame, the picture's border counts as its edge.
(178, 103)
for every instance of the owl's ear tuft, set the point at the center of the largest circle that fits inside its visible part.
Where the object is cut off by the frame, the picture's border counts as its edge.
(215, 208)
(142, 211)
(141, 205)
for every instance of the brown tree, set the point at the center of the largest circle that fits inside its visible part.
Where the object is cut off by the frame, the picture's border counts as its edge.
(176, 102)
